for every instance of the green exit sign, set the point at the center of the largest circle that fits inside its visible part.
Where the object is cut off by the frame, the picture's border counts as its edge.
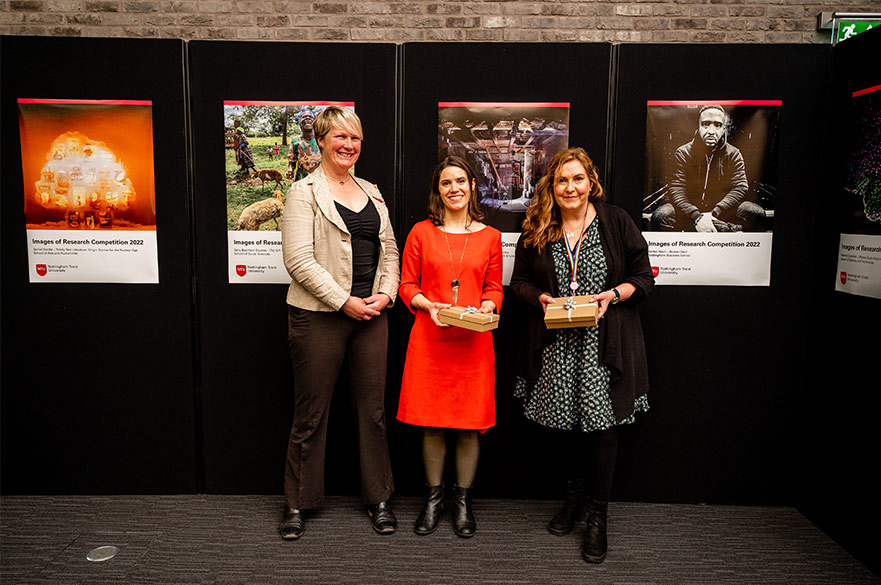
(847, 29)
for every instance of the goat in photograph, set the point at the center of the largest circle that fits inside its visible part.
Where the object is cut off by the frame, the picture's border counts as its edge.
(256, 214)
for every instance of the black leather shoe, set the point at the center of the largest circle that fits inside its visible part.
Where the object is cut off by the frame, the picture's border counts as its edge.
(292, 524)
(384, 521)
(572, 511)
(463, 517)
(595, 543)
(428, 518)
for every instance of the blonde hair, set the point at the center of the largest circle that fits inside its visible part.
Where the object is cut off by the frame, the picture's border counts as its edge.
(339, 117)
(543, 223)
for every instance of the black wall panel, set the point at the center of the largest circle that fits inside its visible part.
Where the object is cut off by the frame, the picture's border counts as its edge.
(512, 464)
(494, 72)
(246, 382)
(837, 487)
(207, 406)
(98, 378)
(727, 364)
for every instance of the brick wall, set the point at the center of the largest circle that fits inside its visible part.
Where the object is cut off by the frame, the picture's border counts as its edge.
(651, 21)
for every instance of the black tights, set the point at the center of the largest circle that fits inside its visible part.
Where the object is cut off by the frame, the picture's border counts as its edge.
(589, 455)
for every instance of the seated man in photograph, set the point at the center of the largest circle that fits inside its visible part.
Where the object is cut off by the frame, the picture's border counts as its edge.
(709, 186)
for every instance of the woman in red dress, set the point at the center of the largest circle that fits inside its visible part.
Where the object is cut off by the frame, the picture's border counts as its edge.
(449, 375)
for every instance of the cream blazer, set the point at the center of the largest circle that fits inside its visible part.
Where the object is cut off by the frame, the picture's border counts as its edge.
(317, 247)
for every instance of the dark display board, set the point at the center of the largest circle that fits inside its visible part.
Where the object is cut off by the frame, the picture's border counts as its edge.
(490, 73)
(839, 425)
(98, 378)
(134, 388)
(577, 74)
(246, 395)
(727, 365)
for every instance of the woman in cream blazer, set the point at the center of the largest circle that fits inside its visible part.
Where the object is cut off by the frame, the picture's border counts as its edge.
(341, 253)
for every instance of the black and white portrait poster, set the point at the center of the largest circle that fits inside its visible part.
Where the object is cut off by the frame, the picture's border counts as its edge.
(509, 144)
(710, 190)
(859, 248)
(268, 146)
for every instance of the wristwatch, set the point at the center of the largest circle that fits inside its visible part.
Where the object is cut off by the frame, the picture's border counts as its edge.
(617, 296)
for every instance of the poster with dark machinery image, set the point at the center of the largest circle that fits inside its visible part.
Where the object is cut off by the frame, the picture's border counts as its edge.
(509, 145)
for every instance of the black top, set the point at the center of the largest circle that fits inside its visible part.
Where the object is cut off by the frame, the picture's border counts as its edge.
(364, 228)
(622, 348)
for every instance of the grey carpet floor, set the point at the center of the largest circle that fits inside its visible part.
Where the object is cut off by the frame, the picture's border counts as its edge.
(232, 540)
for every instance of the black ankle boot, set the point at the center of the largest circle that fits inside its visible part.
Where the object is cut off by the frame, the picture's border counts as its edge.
(463, 518)
(595, 544)
(571, 511)
(428, 518)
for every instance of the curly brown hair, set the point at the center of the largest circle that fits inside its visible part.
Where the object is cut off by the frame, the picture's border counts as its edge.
(543, 223)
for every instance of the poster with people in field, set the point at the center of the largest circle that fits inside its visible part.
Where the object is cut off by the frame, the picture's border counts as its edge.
(268, 146)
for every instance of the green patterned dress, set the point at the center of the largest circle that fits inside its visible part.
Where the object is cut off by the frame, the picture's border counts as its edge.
(572, 390)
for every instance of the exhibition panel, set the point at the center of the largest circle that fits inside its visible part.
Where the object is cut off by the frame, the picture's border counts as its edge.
(727, 359)
(507, 109)
(145, 348)
(246, 98)
(204, 387)
(96, 295)
(836, 486)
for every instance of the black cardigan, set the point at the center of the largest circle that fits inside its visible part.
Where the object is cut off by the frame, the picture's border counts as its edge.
(621, 344)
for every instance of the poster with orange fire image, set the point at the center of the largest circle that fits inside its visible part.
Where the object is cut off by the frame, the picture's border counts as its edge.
(89, 199)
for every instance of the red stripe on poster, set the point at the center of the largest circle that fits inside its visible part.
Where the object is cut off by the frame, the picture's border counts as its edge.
(89, 102)
(717, 102)
(867, 90)
(300, 103)
(503, 104)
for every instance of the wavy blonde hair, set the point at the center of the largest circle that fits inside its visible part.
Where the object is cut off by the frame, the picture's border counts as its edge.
(543, 223)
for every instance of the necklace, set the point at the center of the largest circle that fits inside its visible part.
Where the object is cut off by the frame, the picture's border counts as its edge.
(454, 283)
(343, 182)
(574, 253)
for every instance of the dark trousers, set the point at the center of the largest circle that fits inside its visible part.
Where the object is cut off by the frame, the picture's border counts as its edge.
(320, 343)
(585, 455)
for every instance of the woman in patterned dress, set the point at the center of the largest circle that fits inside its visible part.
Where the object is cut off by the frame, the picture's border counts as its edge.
(304, 155)
(451, 258)
(581, 383)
